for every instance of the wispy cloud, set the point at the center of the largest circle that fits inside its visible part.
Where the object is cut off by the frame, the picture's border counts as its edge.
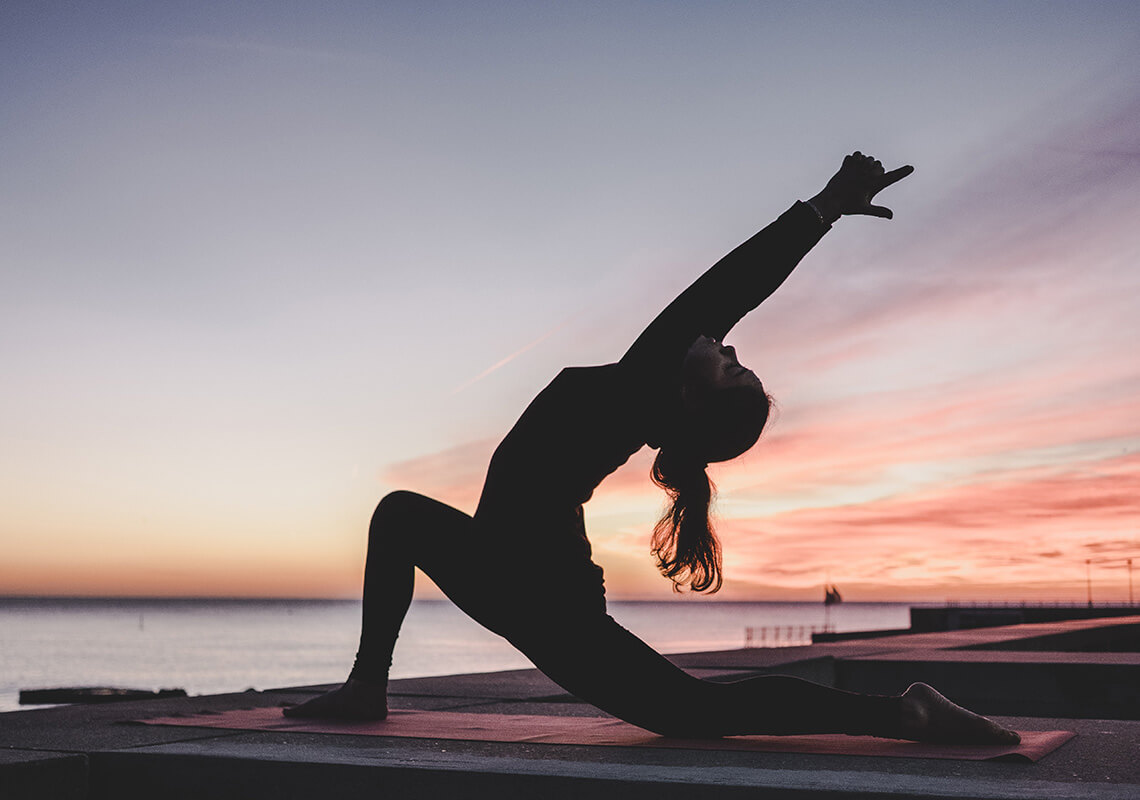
(508, 359)
(1024, 230)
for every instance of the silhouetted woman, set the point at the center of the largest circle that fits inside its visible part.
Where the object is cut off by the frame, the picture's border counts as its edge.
(522, 567)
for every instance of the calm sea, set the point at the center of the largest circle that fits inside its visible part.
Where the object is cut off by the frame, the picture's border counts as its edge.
(214, 646)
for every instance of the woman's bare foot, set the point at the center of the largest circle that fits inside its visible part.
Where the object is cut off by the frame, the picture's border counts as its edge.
(930, 717)
(356, 700)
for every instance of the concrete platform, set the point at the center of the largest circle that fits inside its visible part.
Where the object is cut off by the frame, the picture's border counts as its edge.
(95, 751)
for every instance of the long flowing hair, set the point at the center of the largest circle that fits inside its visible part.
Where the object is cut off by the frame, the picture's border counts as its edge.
(684, 542)
(720, 427)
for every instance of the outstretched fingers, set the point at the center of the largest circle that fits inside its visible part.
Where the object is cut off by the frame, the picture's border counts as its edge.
(885, 180)
(854, 186)
(894, 176)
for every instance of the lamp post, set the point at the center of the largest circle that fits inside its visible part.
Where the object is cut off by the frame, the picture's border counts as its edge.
(1088, 578)
(1130, 582)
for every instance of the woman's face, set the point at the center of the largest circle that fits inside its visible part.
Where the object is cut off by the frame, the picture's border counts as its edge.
(709, 367)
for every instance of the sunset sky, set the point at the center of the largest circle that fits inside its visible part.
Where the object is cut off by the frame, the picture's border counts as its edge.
(261, 263)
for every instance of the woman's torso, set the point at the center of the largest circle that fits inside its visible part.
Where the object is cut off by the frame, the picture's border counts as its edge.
(584, 425)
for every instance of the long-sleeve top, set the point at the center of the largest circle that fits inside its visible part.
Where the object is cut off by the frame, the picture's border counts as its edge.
(589, 420)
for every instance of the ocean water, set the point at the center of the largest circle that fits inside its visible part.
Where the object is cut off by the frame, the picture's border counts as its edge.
(215, 646)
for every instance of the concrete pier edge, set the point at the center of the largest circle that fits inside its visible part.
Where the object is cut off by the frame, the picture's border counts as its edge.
(1090, 684)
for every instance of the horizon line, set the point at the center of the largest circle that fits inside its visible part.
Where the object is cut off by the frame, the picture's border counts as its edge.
(701, 600)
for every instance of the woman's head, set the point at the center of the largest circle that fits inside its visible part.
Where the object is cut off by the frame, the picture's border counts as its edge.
(724, 410)
(725, 407)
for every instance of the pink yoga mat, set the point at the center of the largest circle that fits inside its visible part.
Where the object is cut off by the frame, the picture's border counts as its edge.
(604, 731)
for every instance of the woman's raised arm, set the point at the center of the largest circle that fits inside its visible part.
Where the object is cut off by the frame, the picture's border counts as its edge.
(748, 275)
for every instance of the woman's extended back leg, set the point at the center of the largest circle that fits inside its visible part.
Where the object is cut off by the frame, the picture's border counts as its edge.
(601, 662)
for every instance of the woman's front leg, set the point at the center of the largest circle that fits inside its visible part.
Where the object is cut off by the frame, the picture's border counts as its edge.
(407, 530)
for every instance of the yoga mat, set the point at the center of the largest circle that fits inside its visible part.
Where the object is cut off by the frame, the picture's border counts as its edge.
(605, 731)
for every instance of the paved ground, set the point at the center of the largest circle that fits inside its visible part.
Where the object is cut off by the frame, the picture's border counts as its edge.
(94, 751)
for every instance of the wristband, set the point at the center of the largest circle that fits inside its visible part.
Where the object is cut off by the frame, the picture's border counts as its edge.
(818, 213)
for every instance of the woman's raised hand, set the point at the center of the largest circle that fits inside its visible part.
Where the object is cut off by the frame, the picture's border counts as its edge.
(854, 186)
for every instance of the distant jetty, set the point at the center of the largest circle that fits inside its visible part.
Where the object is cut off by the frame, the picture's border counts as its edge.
(967, 616)
(955, 617)
(92, 694)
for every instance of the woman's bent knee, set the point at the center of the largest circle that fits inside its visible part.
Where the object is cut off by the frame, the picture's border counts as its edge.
(396, 505)
(403, 518)
(393, 515)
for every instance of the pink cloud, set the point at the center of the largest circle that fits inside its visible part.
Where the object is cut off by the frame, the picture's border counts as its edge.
(1034, 527)
(453, 476)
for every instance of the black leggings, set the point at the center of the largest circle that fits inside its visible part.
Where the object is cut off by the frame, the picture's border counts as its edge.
(581, 649)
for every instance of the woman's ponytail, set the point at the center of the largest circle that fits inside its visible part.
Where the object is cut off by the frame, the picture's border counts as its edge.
(684, 544)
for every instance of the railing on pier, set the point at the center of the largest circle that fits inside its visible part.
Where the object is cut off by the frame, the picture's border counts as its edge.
(783, 635)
